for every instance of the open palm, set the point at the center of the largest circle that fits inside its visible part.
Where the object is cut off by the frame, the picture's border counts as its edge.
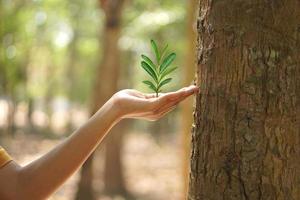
(134, 104)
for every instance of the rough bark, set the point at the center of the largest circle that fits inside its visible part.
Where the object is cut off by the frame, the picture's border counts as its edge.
(245, 142)
(106, 84)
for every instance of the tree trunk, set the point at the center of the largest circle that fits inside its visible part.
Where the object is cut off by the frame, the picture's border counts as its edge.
(106, 84)
(113, 170)
(85, 187)
(114, 182)
(30, 124)
(187, 116)
(246, 143)
(12, 104)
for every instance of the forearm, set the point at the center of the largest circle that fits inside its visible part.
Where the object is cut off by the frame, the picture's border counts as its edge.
(40, 178)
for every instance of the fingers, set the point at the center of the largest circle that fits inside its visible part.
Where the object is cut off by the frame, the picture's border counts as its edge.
(163, 113)
(170, 104)
(158, 114)
(178, 95)
(173, 103)
(165, 108)
(173, 95)
(186, 91)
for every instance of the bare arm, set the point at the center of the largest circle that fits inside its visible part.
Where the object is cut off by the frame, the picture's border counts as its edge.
(39, 179)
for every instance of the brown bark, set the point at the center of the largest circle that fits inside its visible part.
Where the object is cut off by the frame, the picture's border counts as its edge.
(246, 143)
(106, 84)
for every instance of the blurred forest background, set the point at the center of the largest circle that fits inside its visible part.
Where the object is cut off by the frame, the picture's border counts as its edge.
(60, 60)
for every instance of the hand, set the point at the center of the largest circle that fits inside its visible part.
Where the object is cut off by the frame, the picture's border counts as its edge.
(134, 104)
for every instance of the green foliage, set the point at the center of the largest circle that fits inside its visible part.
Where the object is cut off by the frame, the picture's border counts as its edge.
(158, 70)
(52, 48)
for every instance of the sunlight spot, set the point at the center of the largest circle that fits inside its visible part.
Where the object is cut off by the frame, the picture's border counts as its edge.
(63, 35)
(159, 18)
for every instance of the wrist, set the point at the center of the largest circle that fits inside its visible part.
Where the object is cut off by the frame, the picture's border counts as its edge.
(114, 109)
(117, 106)
(109, 113)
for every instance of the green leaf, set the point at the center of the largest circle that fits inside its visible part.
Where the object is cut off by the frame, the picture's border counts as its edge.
(155, 49)
(167, 71)
(149, 70)
(160, 69)
(150, 84)
(164, 82)
(167, 61)
(149, 61)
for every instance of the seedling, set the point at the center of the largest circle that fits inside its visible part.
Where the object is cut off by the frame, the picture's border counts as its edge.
(158, 70)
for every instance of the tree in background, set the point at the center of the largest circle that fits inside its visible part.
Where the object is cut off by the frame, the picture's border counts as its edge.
(114, 182)
(106, 84)
(246, 141)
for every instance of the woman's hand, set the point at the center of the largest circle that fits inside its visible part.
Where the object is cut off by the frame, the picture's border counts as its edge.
(134, 104)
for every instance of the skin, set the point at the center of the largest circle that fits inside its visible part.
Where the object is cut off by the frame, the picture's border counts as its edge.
(39, 179)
